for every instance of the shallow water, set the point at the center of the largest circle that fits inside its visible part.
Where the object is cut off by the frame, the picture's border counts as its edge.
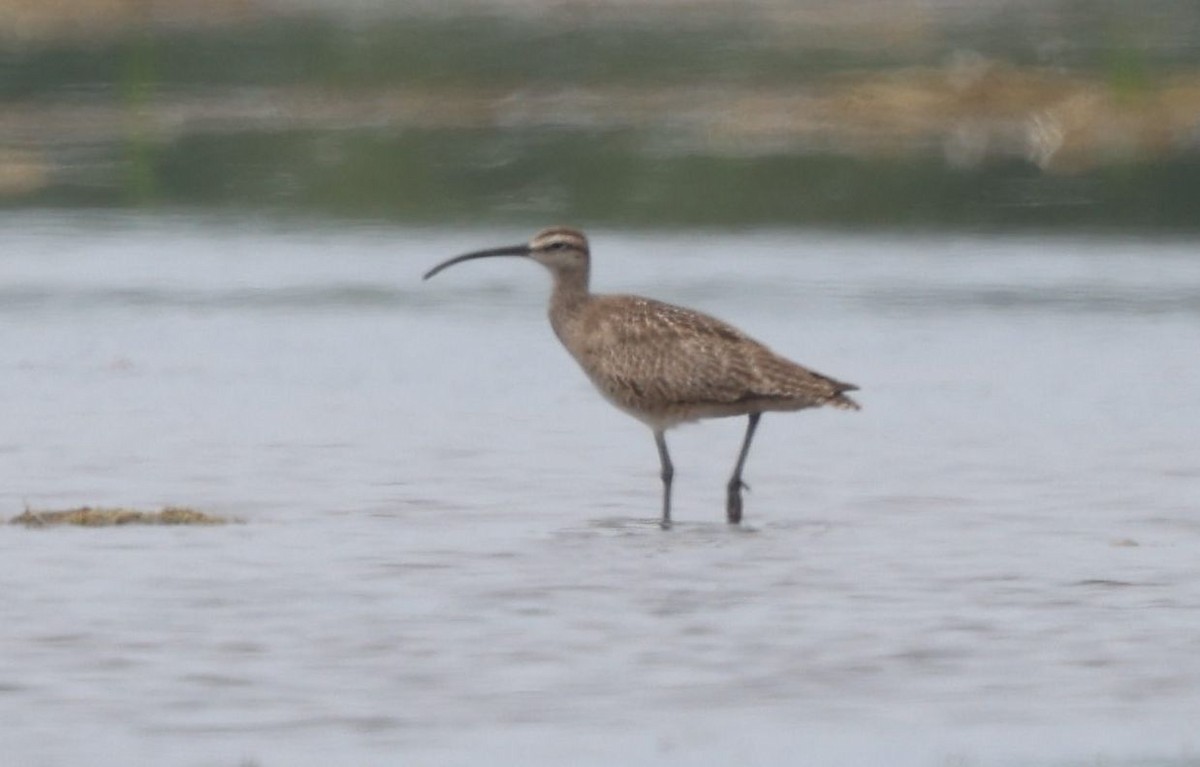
(448, 553)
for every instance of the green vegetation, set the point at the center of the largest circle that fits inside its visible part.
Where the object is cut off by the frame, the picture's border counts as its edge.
(500, 51)
(439, 52)
(446, 176)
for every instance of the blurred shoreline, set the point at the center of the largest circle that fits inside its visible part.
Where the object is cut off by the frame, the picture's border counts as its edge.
(601, 112)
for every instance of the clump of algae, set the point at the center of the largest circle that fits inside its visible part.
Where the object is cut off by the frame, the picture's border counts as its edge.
(88, 516)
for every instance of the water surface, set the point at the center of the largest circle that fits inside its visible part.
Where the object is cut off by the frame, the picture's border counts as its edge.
(448, 553)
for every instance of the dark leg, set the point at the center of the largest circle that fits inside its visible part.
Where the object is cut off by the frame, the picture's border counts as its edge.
(733, 498)
(668, 472)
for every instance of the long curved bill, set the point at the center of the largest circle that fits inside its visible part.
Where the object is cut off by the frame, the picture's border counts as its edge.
(510, 250)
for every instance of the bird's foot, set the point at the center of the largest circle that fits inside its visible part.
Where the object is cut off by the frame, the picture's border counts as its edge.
(665, 523)
(733, 501)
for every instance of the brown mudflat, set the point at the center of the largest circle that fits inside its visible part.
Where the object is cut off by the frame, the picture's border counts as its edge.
(88, 516)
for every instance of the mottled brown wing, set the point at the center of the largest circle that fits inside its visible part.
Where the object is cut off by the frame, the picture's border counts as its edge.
(649, 355)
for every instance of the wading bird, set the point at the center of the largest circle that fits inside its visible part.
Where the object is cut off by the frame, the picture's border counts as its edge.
(664, 364)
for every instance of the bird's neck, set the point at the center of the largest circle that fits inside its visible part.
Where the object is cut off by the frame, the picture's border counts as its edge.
(567, 301)
(570, 289)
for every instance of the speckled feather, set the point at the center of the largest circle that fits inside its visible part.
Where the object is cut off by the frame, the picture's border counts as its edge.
(665, 364)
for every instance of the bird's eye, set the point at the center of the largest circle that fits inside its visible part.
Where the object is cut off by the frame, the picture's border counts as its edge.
(557, 246)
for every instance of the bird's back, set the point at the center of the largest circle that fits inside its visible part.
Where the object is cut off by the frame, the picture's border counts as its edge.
(665, 364)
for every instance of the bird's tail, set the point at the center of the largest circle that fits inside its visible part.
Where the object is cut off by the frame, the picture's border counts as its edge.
(842, 402)
(839, 399)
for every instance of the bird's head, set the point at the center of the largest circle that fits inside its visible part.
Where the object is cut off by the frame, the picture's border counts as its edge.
(558, 248)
